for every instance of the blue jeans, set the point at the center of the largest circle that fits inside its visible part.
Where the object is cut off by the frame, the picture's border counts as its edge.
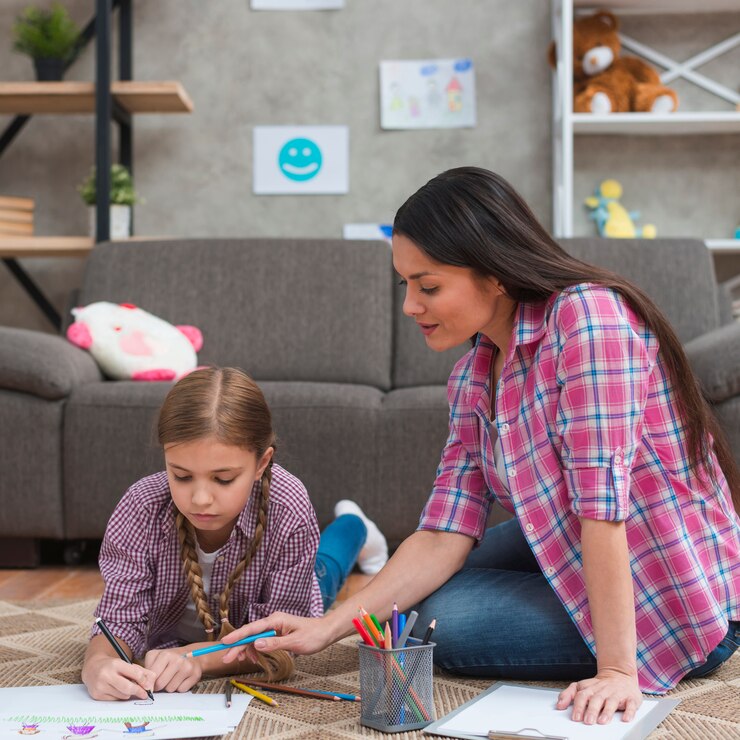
(339, 547)
(498, 617)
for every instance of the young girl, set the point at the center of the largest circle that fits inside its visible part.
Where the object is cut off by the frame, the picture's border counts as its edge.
(223, 537)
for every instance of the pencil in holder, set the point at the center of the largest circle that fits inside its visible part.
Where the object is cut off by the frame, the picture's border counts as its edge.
(396, 687)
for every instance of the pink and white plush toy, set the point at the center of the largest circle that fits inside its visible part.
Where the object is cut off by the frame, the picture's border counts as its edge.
(131, 344)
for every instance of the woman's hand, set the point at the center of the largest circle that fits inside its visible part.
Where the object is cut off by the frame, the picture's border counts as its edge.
(596, 699)
(172, 671)
(111, 679)
(302, 635)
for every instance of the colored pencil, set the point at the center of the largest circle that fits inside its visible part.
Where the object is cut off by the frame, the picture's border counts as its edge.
(376, 622)
(292, 690)
(256, 694)
(410, 622)
(388, 637)
(401, 625)
(364, 634)
(372, 629)
(222, 646)
(394, 624)
(229, 689)
(429, 631)
(114, 644)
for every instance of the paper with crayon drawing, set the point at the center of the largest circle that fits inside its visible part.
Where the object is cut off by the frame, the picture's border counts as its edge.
(66, 712)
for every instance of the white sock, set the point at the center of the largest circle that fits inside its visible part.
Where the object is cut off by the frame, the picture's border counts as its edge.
(374, 553)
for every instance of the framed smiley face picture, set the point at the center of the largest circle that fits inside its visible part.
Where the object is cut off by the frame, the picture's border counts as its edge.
(301, 159)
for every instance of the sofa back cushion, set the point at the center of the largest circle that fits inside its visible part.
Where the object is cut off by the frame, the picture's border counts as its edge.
(282, 309)
(678, 274)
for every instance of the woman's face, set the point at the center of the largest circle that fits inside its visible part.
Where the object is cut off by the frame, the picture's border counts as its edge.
(449, 304)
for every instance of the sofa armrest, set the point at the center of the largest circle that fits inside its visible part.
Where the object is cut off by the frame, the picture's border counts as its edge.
(715, 358)
(43, 365)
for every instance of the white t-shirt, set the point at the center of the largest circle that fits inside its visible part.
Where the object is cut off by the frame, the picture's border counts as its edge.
(190, 629)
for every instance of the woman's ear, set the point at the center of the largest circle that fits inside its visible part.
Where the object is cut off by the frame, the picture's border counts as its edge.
(263, 462)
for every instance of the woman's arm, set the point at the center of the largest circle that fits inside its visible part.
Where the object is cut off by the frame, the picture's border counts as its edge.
(611, 601)
(422, 563)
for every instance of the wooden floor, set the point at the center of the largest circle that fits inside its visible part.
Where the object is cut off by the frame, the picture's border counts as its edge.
(55, 583)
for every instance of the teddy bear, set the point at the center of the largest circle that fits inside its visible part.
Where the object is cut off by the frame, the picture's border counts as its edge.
(604, 82)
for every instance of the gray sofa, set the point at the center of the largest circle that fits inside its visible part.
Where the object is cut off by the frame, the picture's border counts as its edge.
(358, 400)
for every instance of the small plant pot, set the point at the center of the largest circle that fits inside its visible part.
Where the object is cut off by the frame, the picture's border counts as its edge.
(49, 69)
(120, 221)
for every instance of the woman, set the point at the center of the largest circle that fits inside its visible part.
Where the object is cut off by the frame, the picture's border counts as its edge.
(576, 410)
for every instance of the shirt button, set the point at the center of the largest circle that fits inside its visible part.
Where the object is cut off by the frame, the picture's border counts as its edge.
(504, 427)
(511, 472)
(219, 558)
(579, 616)
(529, 527)
(550, 571)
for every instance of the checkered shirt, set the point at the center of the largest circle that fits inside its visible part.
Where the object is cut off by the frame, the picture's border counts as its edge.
(146, 590)
(589, 427)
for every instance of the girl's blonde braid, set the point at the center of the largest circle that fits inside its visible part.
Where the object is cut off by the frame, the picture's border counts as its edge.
(193, 573)
(279, 664)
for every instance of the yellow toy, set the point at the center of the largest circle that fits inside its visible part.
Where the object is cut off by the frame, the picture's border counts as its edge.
(612, 218)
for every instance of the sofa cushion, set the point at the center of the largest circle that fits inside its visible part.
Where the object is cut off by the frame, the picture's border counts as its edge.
(281, 309)
(678, 274)
(715, 358)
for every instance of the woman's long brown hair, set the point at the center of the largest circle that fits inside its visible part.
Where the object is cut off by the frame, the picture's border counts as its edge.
(471, 217)
(224, 403)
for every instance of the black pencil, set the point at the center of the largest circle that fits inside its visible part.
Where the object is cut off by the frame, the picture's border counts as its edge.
(429, 631)
(229, 689)
(112, 640)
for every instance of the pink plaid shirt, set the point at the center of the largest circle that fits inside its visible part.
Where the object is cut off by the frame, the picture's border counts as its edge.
(589, 428)
(146, 590)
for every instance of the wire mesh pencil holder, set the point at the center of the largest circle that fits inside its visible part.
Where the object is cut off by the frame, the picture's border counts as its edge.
(396, 687)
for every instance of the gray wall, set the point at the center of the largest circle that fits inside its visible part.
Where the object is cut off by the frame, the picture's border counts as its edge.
(245, 68)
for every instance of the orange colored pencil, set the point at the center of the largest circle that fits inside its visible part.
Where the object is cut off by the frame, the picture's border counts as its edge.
(372, 628)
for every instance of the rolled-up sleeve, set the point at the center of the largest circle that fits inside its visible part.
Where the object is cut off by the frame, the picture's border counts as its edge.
(459, 500)
(603, 371)
(128, 574)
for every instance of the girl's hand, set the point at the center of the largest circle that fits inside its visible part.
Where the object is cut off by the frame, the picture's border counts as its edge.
(172, 671)
(301, 635)
(596, 699)
(111, 679)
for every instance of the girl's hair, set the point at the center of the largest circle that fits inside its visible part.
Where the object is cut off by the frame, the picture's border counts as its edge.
(226, 404)
(470, 217)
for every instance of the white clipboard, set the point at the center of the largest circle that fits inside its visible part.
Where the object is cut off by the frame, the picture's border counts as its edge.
(654, 712)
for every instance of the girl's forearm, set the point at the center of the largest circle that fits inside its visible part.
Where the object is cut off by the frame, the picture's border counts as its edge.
(610, 594)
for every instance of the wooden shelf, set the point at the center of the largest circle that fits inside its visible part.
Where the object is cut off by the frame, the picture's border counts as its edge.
(654, 124)
(28, 98)
(57, 246)
(724, 246)
(635, 7)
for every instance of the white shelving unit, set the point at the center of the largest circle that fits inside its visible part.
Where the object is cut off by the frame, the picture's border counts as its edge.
(568, 125)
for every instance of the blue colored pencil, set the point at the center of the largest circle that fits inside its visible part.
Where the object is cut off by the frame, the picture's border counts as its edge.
(222, 646)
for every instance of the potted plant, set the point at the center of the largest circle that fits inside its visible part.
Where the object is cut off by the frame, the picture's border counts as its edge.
(122, 197)
(50, 37)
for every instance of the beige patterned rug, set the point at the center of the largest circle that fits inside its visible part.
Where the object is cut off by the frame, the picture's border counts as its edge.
(45, 645)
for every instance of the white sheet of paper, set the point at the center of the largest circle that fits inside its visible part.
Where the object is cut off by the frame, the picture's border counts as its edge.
(56, 709)
(301, 159)
(427, 93)
(297, 4)
(512, 708)
(368, 231)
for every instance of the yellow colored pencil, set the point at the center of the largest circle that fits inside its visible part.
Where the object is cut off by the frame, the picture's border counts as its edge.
(256, 694)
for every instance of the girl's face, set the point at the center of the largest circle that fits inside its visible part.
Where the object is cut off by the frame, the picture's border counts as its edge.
(450, 304)
(211, 483)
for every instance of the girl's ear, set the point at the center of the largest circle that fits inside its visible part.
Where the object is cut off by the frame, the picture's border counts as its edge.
(263, 462)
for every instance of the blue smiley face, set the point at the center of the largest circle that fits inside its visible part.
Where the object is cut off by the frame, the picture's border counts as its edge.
(300, 159)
